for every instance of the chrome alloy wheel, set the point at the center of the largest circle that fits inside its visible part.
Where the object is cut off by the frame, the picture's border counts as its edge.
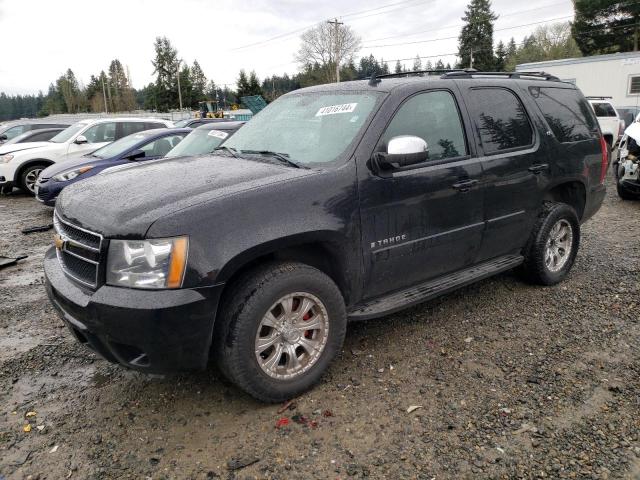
(31, 178)
(292, 335)
(558, 247)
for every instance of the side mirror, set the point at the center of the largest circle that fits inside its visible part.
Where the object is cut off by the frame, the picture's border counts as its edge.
(136, 154)
(80, 139)
(3, 137)
(402, 151)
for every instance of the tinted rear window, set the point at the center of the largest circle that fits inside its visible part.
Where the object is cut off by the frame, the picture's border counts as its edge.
(603, 110)
(567, 112)
(501, 120)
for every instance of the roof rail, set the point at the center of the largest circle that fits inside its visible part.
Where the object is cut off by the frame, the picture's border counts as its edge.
(414, 72)
(595, 97)
(470, 73)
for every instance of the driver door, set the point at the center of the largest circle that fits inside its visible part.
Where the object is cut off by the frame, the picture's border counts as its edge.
(424, 220)
(97, 136)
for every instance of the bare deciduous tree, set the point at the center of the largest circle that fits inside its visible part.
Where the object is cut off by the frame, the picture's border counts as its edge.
(328, 45)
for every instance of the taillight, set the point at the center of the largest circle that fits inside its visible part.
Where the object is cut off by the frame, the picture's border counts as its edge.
(605, 158)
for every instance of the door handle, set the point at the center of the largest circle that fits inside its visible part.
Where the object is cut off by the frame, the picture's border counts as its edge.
(536, 169)
(465, 185)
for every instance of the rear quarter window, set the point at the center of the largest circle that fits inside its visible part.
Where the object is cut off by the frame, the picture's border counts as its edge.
(500, 119)
(567, 112)
(603, 110)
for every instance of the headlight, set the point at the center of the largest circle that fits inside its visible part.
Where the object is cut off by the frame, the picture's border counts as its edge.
(6, 158)
(154, 263)
(71, 174)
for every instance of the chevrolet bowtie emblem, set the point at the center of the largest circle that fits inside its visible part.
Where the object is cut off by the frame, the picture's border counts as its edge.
(58, 241)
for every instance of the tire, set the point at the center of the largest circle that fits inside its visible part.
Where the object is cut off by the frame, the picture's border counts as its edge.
(28, 177)
(243, 328)
(623, 193)
(547, 259)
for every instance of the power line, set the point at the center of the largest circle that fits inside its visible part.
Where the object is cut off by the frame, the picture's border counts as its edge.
(293, 32)
(456, 36)
(458, 25)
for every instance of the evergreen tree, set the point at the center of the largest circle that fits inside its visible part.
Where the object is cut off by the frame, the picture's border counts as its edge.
(439, 65)
(511, 48)
(242, 86)
(254, 84)
(165, 66)
(417, 64)
(398, 67)
(198, 84)
(428, 65)
(606, 26)
(501, 57)
(476, 36)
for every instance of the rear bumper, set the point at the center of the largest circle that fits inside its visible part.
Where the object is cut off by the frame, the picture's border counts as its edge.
(594, 201)
(157, 331)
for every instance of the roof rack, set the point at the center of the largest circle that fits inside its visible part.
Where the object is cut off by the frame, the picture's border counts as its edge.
(465, 73)
(595, 97)
(470, 73)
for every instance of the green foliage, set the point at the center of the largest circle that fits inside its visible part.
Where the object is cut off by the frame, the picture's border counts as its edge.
(477, 36)
(548, 42)
(605, 26)
(165, 66)
(198, 83)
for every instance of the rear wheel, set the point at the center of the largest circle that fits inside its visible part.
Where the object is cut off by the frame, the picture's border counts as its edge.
(553, 245)
(279, 328)
(29, 176)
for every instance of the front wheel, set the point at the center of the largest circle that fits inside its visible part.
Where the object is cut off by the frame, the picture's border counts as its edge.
(280, 327)
(623, 193)
(29, 176)
(553, 245)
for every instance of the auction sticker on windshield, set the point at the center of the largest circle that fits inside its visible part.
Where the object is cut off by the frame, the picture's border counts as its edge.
(218, 134)
(333, 109)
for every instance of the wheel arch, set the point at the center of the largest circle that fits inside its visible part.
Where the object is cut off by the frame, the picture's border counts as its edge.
(324, 250)
(35, 161)
(572, 192)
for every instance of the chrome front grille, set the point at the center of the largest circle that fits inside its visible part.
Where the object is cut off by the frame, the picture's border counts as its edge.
(79, 251)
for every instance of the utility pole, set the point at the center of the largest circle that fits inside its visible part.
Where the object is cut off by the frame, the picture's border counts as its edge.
(471, 58)
(179, 91)
(336, 29)
(104, 95)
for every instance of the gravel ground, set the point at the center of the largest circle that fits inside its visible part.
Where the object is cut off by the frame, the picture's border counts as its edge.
(511, 380)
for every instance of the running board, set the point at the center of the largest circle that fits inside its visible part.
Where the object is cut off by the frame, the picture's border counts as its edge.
(426, 291)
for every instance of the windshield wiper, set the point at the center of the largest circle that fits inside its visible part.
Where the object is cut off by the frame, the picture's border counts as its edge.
(283, 157)
(232, 151)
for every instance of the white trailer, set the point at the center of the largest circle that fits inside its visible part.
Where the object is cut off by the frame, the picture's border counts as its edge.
(616, 76)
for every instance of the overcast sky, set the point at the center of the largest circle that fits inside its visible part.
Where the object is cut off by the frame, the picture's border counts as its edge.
(42, 38)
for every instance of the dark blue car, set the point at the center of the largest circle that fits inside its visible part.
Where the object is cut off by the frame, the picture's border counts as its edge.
(146, 145)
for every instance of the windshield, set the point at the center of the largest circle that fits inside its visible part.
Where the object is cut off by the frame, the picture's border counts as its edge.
(67, 133)
(119, 146)
(181, 123)
(200, 142)
(309, 128)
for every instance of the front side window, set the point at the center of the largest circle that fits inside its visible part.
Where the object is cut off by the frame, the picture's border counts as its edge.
(14, 131)
(500, 119)
(434, 117)
(68, 133)
(567, 112)
(101, 133)
(309, 128)
(161, 146)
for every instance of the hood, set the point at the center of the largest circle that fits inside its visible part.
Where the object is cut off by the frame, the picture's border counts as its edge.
(72, 163)
(16, 147)
(633, 131)
(124, 203)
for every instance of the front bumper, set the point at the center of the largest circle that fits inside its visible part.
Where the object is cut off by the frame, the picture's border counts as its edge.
(155, 331)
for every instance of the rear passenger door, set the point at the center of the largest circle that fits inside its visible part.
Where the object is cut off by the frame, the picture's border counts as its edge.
(512, 159)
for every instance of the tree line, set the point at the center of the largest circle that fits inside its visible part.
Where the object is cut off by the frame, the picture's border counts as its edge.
(600, 26)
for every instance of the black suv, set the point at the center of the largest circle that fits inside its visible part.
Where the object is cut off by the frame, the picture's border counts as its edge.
(337, 202)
